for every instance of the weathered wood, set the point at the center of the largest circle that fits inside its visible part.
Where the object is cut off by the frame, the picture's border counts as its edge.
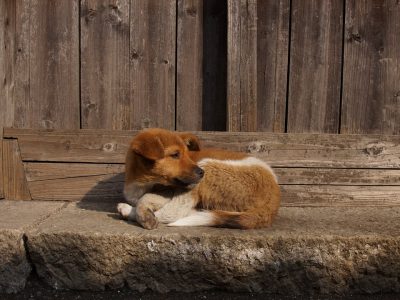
(371, 91)
(189, 65)
(7, 58)
(15, 185)
(215, 22)
(105, 83)
(272, 63)
(315, 66)
(242, 65)
(300, 187)
(152, 65)
(325, 195)
(49, 171)
(53, 70)
(73, 182)
(280, 150)
(349, 177)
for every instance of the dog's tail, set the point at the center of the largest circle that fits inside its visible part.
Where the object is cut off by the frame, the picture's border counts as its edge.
(228, 219)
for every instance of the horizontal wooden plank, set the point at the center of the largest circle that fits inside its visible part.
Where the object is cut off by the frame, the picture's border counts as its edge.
(328, 195)
(300, 186)
(280, 150)
(51, 171)
(350, 177)
(287, 176)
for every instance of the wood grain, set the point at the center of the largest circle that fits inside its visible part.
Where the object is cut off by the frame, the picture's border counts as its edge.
(300, 187)
(73, 182)
(189, 65)
(371, 91)
(215, 21)
(272, 63)
(53, 51)
(242, 65)
(280, 150)
(344, 177)
(7, 58)
(321, 195)
(15, 185)
(315, 66)
(106, 91)
(152, 62)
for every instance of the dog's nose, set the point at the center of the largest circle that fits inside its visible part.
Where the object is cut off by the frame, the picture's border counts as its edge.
(199, 172)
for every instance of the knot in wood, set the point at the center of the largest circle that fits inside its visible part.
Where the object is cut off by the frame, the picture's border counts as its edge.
(374, 149)
(109, 147)
(256, 147)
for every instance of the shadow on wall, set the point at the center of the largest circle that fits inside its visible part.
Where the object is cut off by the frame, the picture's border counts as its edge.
(108, 192)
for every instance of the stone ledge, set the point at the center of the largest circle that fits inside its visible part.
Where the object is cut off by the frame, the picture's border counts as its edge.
(308, 250)
(15, 218)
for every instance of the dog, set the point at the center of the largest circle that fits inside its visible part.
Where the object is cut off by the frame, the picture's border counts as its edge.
(170, 179)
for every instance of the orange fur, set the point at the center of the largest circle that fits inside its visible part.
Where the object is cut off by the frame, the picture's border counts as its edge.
(239, 195)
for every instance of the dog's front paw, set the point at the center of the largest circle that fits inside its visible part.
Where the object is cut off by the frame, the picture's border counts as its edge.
(126, 211)
(147, 219)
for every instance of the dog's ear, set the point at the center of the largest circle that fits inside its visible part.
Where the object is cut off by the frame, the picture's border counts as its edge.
(148, 146)
(191, 141)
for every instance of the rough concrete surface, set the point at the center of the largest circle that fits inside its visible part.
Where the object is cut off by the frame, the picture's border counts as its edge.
(15, 218)
(307, 251)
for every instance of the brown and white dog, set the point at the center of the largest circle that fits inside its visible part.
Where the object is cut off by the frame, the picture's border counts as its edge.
(205, 187)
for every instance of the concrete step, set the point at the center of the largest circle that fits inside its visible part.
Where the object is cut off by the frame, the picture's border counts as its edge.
(85, 246)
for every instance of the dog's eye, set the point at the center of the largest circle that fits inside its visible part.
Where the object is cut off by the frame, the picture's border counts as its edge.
(175, 155)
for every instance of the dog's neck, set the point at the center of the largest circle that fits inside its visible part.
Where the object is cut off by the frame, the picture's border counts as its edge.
(135, 190)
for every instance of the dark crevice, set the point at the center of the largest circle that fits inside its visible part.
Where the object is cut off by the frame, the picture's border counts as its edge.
(214, 102)
(288, 66)
(342, 67)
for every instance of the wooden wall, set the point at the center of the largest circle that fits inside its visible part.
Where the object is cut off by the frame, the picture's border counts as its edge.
(238, 65)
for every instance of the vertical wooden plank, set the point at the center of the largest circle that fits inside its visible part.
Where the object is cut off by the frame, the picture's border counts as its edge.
(315, 66)
(242, 65)
(272, 63)
(215, 23)
(189, 65)
(105, 87)
(53, 100)
(371, 78)
(7, 60)
(152, 66)
(15, 183)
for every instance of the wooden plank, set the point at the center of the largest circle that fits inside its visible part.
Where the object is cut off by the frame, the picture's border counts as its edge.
(280, 150)
(325, 195)
(371, 92)
(152, 65)
(242, 65)
(272, 63)
(106, 91)
(15, 185)
(345, 177)
(72, 182)
(37, 171)
(315, 66)
(215, 22)
(53, 53)
(7, 59)
(189, 65)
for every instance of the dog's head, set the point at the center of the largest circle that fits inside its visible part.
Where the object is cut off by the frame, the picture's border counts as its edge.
(162, 157)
